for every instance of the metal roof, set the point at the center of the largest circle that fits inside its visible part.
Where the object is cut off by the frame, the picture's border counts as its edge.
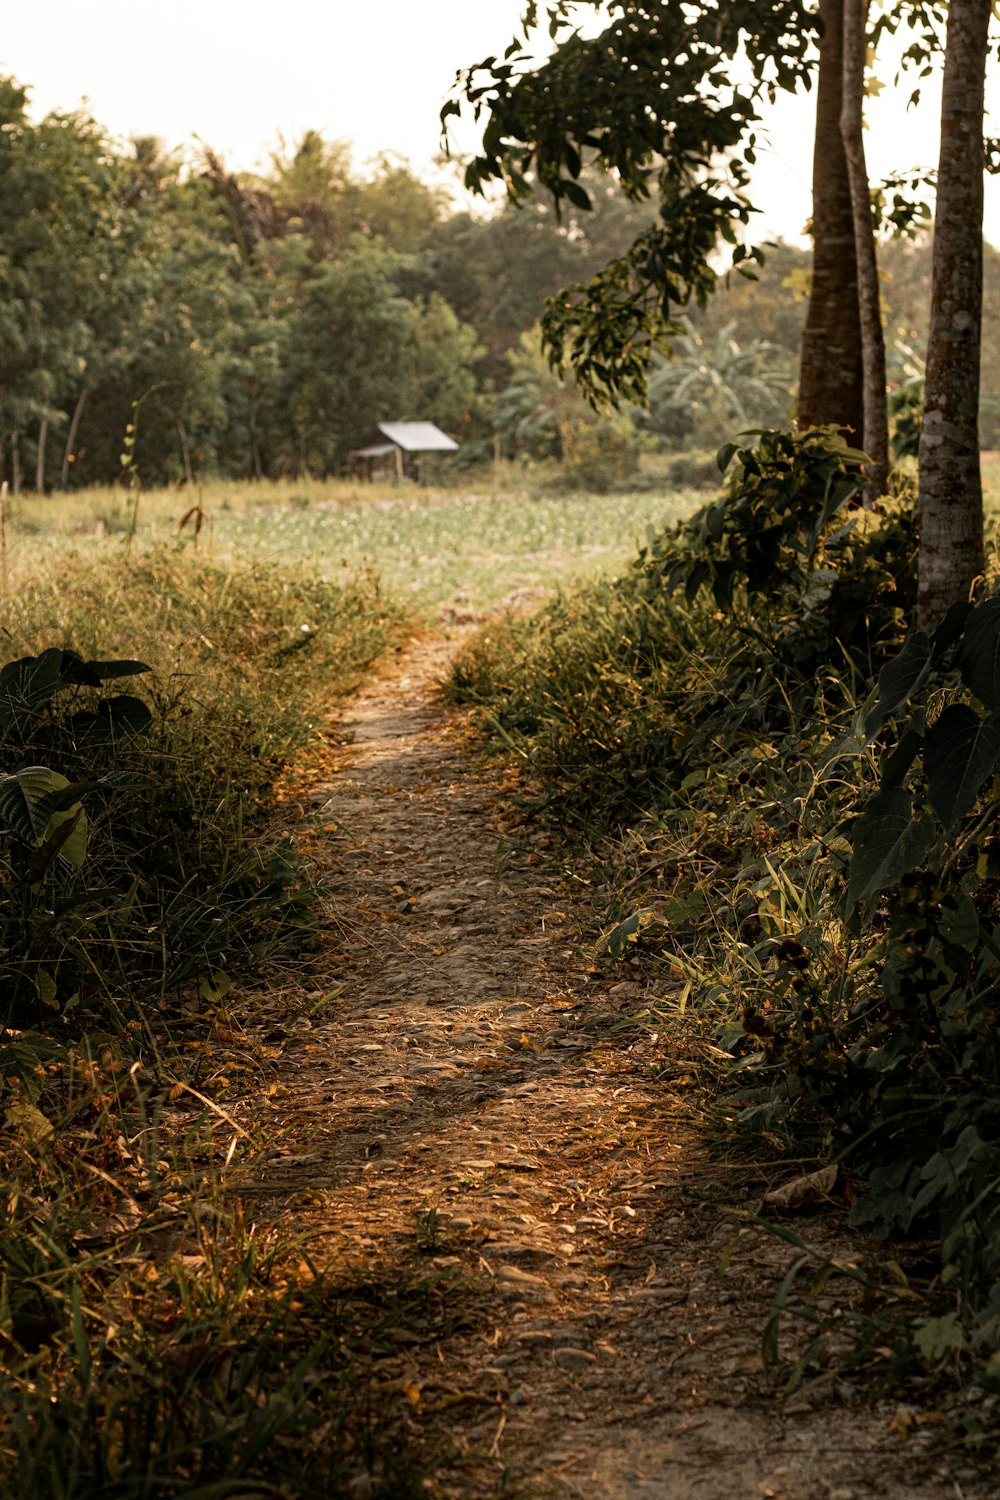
(377, 450)
(418, 437)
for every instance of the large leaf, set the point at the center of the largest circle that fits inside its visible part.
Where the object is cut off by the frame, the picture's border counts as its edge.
(74, 670)
(893, 769)
(961, 751)
(899, 679)
(30, 804)
(979, 659)
(114, 718)
(26, 686)
(888, 841)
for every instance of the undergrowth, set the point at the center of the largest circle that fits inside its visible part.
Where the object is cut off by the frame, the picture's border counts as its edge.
(153, 1342)
(788, 818)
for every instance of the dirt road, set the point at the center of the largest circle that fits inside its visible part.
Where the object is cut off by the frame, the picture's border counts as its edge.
(466, 1106)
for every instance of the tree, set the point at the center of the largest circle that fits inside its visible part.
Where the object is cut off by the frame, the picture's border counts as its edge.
(875, 429)
(58, 205)
(718, 385)
(358, 352)
(830, 376)
(656, 86)
(950, 485)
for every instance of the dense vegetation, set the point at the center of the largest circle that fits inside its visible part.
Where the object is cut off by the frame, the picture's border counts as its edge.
(253, 327)
(832, 929)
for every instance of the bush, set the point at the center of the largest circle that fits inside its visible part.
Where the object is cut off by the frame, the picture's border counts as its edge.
(180, 873)
(598, 455)
(809, 864)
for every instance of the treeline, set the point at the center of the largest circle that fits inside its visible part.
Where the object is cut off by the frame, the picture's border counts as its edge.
(249, 327)
(260, 327)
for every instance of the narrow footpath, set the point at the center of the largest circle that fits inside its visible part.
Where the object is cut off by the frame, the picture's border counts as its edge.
(464, 1105)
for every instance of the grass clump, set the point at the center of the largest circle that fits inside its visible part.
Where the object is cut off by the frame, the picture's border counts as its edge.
(156, 1344)
(229, 675)
(152, 1343)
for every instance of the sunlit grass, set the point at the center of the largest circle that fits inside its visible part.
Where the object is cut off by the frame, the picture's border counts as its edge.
(431, 547)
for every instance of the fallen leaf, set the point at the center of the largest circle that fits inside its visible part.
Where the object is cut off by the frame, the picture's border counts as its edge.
(804, 1193)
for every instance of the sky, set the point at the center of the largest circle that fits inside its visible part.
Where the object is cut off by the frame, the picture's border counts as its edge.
(240, 76)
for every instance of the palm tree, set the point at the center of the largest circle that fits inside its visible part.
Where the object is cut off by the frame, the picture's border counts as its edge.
(717, 386)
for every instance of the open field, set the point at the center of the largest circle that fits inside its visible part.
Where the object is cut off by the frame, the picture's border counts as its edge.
(432, 548)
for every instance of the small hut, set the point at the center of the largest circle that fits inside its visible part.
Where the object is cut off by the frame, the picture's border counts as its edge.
(401, 454)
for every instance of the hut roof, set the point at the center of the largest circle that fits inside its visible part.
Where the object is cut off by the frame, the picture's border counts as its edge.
(376, 450)
(418, 437)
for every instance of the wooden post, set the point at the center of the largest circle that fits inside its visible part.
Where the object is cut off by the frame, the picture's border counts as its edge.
(74, 428)
(15, 462)
(43, 433)
(399, 465)
(3, 545)
(185, 451)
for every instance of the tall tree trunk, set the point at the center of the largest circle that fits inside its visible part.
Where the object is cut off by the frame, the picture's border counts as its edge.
(831, 371)
(74, 427)
(852, 113)
(951, 492)
(43, 436)
(15, 462)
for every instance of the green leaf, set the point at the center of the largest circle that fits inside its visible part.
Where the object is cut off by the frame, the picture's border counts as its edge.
(979, 659)
(961, 751)
(936, 1338)
(26, 806)
(114, 718)
(65, 836)
(899, 679)
(26, 686)
(22, 800)
(893, 769)
(888, 841)
(959, 923)
(45, 987)
(617, 940)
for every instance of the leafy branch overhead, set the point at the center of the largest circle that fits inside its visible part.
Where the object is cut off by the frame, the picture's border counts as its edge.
(652, 99)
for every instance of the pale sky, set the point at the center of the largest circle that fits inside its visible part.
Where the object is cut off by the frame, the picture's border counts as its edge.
(238, 75)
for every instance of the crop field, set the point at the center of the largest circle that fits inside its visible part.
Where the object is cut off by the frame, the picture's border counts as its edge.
(432, 549)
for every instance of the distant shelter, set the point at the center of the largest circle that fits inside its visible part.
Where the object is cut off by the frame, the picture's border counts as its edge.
(401, 454)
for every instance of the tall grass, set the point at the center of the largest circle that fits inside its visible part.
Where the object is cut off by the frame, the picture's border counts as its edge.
(152, 1343)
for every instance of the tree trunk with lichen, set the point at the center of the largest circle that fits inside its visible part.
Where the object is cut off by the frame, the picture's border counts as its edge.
(876, 423)
(830, 376)
(951, 494)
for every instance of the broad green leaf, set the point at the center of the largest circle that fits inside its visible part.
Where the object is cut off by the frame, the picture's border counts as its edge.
(960, 923)
(961, 751)
(45, 985)
(26, 685)
(899, 679)
(936, 1338)
(617, 940)
(26, 806)
(22, 800)
(979, 659)
(114, 718)
(888, 841)
(894, 766)
(65, 836)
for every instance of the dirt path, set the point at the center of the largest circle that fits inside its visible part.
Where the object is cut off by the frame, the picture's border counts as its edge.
(452, 1111)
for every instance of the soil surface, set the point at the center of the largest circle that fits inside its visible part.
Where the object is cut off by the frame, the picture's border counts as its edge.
(466, 1107)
